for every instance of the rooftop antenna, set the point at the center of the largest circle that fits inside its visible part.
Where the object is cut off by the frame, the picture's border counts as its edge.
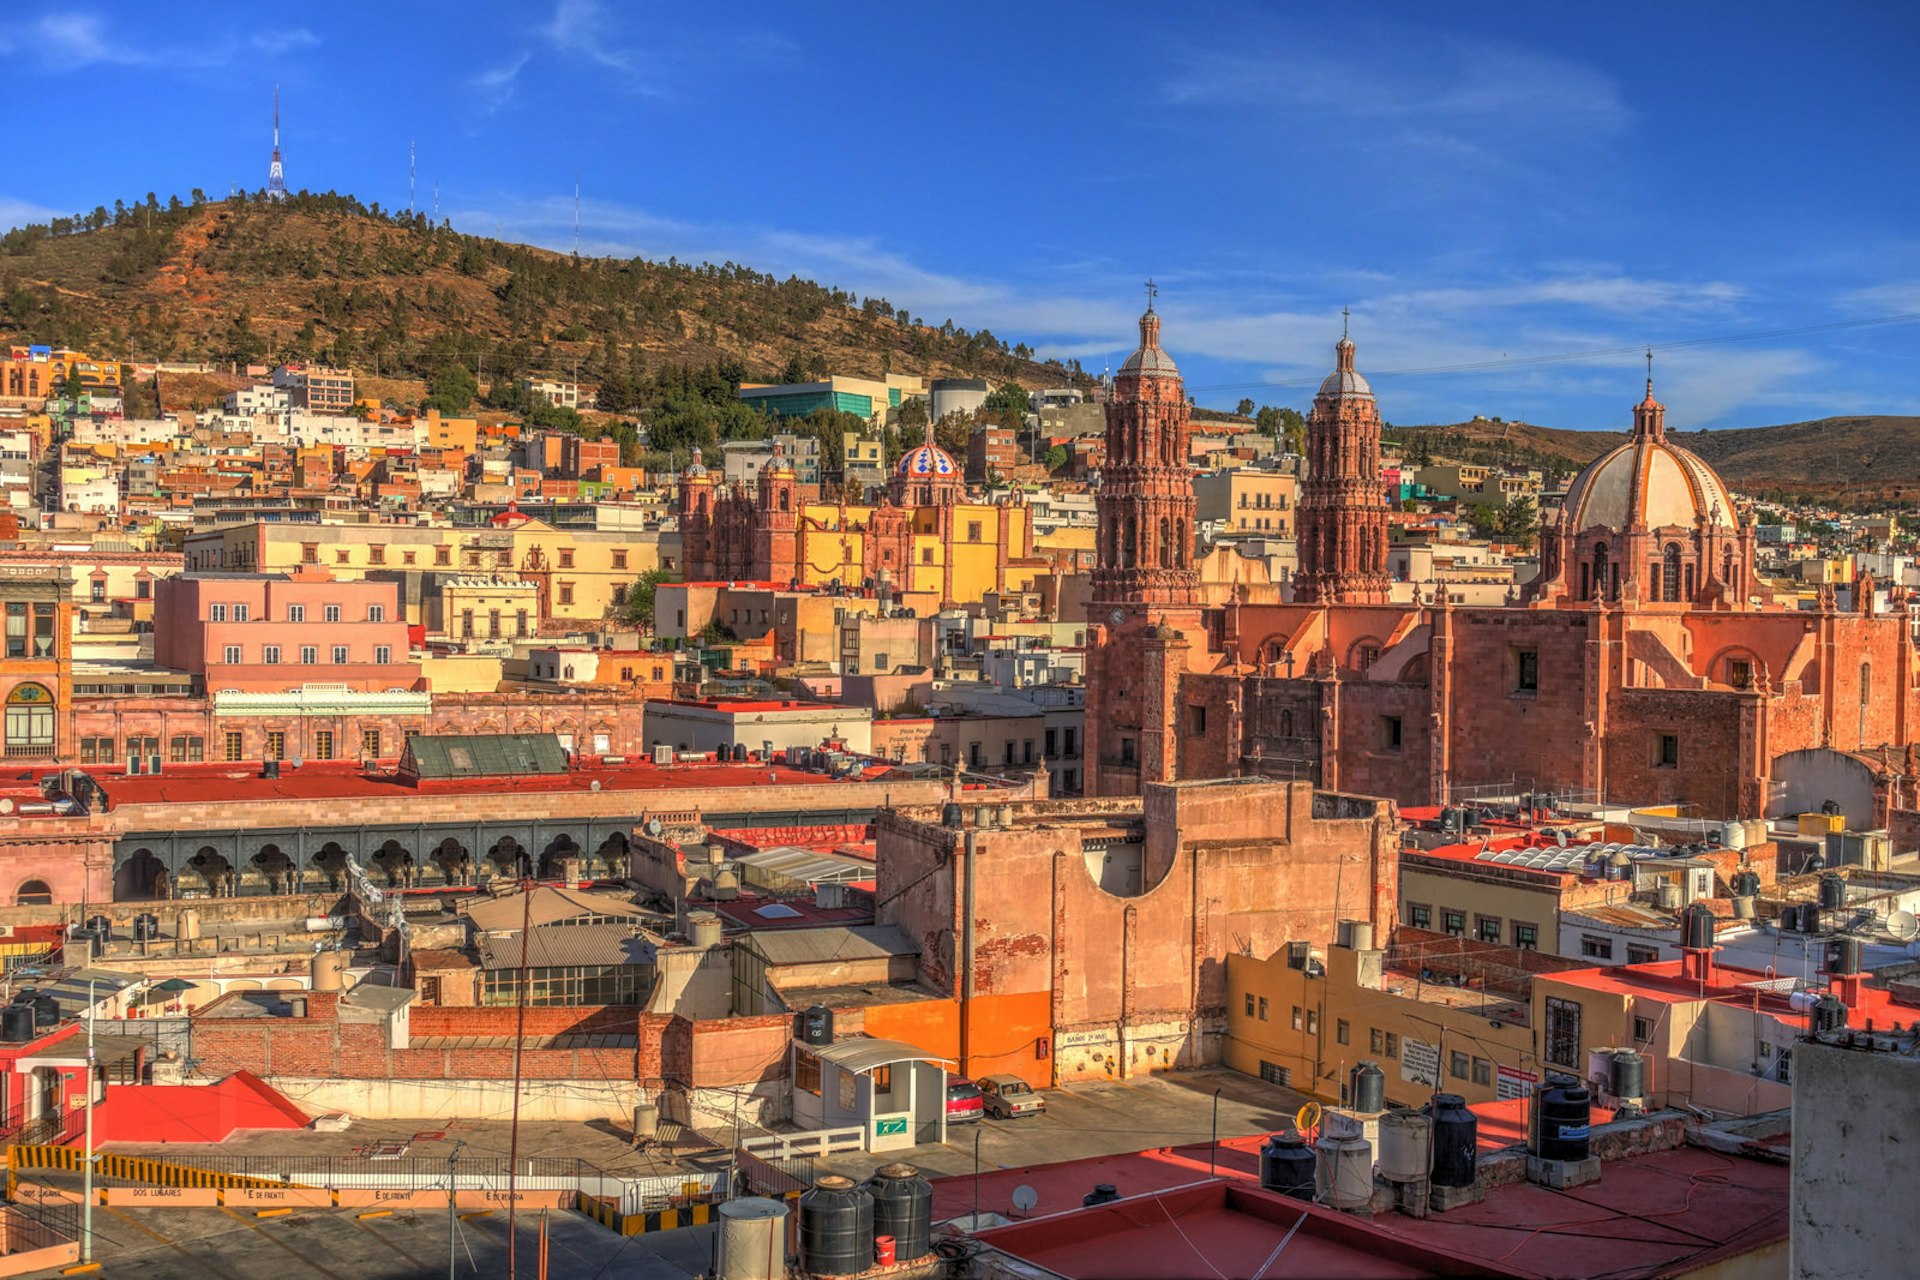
(412, 176)
(276, 176)
(576, 215)
(436, 202)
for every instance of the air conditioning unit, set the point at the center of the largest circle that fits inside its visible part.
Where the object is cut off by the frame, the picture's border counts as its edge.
(663, 754)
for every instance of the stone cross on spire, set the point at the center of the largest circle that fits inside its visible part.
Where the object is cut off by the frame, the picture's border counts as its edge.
(1153, 291)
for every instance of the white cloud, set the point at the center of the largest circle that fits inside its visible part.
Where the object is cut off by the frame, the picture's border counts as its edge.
(69, 39)
(579, 27)
(18, 213)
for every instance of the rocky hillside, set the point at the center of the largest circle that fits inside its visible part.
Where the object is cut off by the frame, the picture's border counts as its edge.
(323, 277)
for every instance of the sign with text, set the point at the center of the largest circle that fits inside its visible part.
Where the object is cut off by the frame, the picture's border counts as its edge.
(1512, 1082)
(890, 1127)
(1420, 1062)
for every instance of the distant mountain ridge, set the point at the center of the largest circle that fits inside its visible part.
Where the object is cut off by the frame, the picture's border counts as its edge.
(1861, 459)
(323, 277)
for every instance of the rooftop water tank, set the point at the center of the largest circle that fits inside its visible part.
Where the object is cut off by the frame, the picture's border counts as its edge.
(1456, 1140)
(1560, 1120)
(705, 927)
(16, 1023)
(1343, 1173)
(1406, 1145)
(1367, 1088)
(1626, 1074)
(816, 1025)
(1286, 1166)
(836, 1228)
(903, 1209)
(1833, 892)
(753, 1239)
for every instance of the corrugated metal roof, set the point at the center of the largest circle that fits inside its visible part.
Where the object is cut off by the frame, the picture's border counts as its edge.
(549, 904)
(816, 946)
(483, 755)
(864, 1054)
(568, 946)
(792, 863)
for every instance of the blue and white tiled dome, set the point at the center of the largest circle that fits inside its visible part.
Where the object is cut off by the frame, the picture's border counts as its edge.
(928, 460)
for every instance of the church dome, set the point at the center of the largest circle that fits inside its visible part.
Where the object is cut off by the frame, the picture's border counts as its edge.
(1344, 380)
(1648, 483)
(1150, 359)
(927, 460)
(696, 468)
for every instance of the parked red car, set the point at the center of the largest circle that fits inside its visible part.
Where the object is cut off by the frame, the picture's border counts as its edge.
(964, 1102)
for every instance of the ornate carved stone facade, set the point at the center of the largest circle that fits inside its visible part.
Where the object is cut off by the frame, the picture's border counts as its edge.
(1343, 507)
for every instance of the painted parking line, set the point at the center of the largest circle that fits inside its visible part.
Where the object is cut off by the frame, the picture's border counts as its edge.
(251, 1225)
(198, 1261)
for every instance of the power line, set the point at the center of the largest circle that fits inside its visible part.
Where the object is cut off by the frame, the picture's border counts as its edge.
(1565, 357)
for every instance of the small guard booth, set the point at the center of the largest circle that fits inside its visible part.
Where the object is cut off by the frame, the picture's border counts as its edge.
(895, 1093)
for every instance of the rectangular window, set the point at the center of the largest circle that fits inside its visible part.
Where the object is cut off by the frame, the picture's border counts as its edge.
(1526, 674)
(376, 554)
(339, 655)
(370, 743)
(1313, 1022)
(1454, 922)
(1526, 936)
(566, 557)
(231, 654)
(232, 746)
(309, 655)
(1274, 1073)
(1458, 1065)
(1563, 1032)
(619, 557)
(1263, 1008)
(1197, 720)
(1642, 955)
(443, 555)
(16, 630)
(296, 613)
(276, 745)
(1379, 1040)
(342, 556)
(376, 613)
(1050, 741)
(973, 531)
(1070, 741)
(1341, 1031)
(407, 557)
(1420, 915)
(309, 553)
(240, 613)
(333, 613)
(806, 1073)
(99, 591)
(1596, 948)
(1486, 928)
(1482, 1071)
(466, 623)
(1392, 1049)
(566, 593)
(217, 613)
(1296, 1018)
(271, 655)
(1249, 1004)
(1642, 1030)
(503, 559)
(1740, 673)
(187, 749)
(323, 744)
(1126, 751)
(1389, 733)
(493, 624)
(1668, 752)
(382, 654)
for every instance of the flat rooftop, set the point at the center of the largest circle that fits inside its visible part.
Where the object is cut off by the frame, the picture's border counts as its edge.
(186, 784)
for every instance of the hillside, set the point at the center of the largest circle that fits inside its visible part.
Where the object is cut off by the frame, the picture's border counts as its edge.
(1850, 461)
(325, 278)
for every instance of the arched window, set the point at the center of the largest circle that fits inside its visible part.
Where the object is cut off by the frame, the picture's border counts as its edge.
(1599, 570)
(34, 893)
(1670, 573)
(1286, 724)
(29, 724)
(1182, 545)
(1166, 543)
(1726, 567)
(1132, 548)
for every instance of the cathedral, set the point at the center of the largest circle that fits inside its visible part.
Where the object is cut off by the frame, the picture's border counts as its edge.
(924, 538)
(1644, 664)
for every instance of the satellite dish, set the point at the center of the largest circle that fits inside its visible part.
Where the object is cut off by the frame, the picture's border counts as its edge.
(594, 785)
(653, 827)
(1025, 1197)
(1560, 836)
(1903, 925)
(6, 806)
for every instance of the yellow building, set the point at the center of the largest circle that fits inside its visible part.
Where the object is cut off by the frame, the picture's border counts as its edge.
(580, 575)
(1247, 501)
(449, 433)
(1432, 1012)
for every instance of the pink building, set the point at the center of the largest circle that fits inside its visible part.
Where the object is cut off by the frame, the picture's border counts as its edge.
(270, 633)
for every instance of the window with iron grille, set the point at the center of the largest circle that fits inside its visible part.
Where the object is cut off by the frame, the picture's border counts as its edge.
(1563, 1032)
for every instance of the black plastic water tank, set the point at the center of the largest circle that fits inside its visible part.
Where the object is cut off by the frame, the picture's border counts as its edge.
(816, 1025)
(1696, 928)
(1456, 1140)
(1746, 883)
(46, 1011)
(102, 926)
(1367, 1088)
(836, 1228)
(1843, 956)
(1560, 1120)
(1286, 1166)
(1833, 891)
(1102, 1193)
(16, 1023)
(1627, 1074)
(146, 927)
(903, 1209)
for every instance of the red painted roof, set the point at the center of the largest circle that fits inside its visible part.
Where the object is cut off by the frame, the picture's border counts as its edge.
(192, 1113)
(1666, 982)
(184, 783)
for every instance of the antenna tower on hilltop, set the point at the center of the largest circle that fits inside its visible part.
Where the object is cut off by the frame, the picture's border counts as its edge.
(276, 176)
(576, 215)
(412, 177)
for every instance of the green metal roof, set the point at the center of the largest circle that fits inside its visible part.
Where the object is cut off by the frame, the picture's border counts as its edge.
(483, 755)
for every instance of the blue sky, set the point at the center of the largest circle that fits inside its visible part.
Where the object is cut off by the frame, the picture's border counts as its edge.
(1478, 183)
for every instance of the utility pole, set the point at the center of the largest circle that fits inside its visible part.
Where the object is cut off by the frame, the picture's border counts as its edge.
(453, 1219)
(86, 1179)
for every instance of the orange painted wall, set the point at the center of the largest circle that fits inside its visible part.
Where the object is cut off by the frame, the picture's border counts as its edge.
(1007, 1033)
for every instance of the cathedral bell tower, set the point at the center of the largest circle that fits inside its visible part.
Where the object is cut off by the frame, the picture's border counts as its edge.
(1145, 589)
(1343, 504)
